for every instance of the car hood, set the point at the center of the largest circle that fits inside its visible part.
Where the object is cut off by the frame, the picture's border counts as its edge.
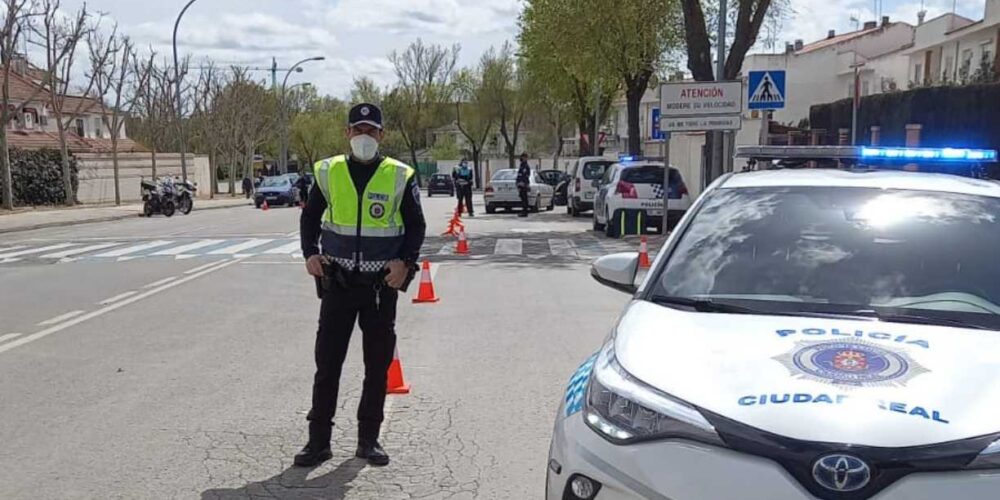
(845, 381)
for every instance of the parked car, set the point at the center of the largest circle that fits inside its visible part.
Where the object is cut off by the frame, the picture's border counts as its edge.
(502, 192)
(556, 179)
(277, 190)
(635, 189)
(583, 178)
(440, 184)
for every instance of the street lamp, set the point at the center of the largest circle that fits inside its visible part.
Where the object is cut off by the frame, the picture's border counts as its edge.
(177, 91)
(283, 163)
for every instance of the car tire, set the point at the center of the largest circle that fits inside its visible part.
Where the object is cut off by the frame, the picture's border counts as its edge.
(597, 225)
(537, 207)
(430, 194)
(490, 209)
(611, 229)
(552, 205)
(569, 209)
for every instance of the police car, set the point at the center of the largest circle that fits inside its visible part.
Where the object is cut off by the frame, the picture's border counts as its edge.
(824, 333)
(630, 197)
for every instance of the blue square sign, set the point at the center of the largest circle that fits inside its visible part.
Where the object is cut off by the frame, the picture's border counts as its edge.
(766, 90)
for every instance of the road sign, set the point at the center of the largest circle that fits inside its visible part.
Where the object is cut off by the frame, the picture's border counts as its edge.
(699, 123)
(683, 99)
(766, 90)
(656, 133)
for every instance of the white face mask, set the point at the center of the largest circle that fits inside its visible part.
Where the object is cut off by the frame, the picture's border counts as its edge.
(364, 147)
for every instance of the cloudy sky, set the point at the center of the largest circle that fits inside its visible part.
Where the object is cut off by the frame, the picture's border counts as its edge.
(356, 36)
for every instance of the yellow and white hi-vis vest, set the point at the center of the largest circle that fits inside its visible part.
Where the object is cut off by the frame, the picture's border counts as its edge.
(362, 232)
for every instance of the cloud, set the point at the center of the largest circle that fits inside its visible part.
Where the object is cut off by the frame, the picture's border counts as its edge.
(455, 18)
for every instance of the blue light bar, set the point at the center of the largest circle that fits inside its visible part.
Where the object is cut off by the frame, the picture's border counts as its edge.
(628, 158)
(958, 155)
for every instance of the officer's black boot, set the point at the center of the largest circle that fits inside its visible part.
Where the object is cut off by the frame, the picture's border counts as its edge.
(372, 451)
(317, 450)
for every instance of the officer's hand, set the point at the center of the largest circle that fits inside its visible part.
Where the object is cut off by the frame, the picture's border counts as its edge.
(314, 265)
(397, 273)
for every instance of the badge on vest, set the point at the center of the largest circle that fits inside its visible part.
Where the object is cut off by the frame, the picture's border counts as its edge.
(376, 210)
(378, 197)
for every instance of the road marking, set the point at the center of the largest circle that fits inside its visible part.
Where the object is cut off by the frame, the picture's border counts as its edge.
(201, 268)
(186, 248)
(235, 249)
(292, 234)
(116, 298)
(446, 249)
(286, 249)
(508, 247)
(4, 338)
(135, 248)
(164, 281)
(561, 247)
(10, 249)
(80, 319)
(35, 250)
(76, 251)
(269, 263)
(60, 318)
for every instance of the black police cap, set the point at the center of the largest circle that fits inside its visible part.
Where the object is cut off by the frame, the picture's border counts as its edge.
(365, 113)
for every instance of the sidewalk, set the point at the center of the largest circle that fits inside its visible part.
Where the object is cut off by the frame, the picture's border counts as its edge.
(25, 219)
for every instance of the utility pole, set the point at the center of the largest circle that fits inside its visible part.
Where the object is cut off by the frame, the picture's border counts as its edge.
(274, 73)
(718, 149)
(177, 91)
(597, 120)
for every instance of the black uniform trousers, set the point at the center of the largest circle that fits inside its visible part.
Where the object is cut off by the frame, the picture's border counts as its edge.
(339, 311)
(523, 192)
(464, 198)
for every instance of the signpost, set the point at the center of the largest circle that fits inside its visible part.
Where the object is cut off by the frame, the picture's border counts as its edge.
(696, 107)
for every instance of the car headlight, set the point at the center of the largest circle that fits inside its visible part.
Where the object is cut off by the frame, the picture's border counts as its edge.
(989, 458)
(623, 409)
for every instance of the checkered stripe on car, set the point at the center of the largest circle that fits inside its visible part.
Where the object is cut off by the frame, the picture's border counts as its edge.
(657, 191)
(577, 389)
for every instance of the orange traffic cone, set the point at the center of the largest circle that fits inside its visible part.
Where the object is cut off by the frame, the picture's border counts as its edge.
(643, 254)
(264, 206)
(462, 248)
(395, 384)
(426, 292)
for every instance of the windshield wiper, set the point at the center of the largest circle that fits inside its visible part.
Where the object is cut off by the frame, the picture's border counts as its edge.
(918, 319)
(711, 306)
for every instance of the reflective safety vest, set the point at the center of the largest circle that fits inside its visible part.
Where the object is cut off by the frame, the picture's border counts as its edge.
(362, 232)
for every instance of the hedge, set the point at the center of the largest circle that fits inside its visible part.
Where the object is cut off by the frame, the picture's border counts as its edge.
(960, 116)
(37, 177)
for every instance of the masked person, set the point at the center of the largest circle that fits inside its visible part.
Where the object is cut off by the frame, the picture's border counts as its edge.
(462, 175)
(364, 212)
(524, 183)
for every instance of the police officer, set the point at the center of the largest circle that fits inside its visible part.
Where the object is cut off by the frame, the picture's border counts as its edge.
(364, 209)
(524, 183)
(462, 175)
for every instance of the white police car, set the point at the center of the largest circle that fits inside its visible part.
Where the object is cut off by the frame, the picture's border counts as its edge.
(807, 333)
(630, 197)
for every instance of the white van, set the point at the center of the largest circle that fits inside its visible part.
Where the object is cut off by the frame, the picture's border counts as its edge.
(584, 177)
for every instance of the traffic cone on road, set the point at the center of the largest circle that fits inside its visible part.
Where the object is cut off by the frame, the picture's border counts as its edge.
(454, 225)
(462, 248)
(396, 384)
(264, 206)
(643, 254)
(426, 292)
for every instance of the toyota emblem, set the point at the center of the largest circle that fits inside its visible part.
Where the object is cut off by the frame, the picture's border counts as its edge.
(840, 472)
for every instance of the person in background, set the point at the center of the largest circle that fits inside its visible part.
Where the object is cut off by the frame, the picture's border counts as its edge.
(247, 186)
(524, 183)
(462, 175)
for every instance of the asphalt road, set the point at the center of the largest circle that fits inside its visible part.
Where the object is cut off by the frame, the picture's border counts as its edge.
(172, 358)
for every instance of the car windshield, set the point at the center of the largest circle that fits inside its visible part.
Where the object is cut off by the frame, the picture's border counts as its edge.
(646, 174)
(842, 250)
(505, 175)
(594, 170)
(275, 182)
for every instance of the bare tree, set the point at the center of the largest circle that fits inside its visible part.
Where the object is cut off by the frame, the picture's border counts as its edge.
(475, 115)
(510, 92)
(17, 15)
(61, 36)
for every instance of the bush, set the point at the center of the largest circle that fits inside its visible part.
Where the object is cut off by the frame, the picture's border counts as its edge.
(37, 177)
(960, 116)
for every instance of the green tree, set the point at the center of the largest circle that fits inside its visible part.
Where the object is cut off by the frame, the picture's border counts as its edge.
(475, 115)
(319, 134)
(445, 148)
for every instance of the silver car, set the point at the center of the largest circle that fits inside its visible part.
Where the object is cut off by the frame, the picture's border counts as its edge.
(502, 192)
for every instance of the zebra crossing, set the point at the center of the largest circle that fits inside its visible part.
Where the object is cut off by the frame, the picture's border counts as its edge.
(504, 247)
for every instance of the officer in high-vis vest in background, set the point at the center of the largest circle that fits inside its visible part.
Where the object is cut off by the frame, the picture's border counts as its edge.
(364, 213)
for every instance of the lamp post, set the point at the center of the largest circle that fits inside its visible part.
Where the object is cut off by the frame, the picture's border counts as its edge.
(177, 92)
(283, 160)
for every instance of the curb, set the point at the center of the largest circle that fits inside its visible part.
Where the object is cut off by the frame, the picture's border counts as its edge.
(107, 218)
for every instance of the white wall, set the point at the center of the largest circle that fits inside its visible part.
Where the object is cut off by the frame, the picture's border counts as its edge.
(96, 173)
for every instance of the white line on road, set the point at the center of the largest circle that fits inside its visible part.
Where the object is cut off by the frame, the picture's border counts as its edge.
(446, 249)
(288, 248)
(4, 338)
(292, 234)
(201, 268)
(60, 318)
(561, 247)
(11, 249)
(164, 281)
(187, 248)
(76, 251)
(509, 247)
(80, 319)
(135, 248)
(34, 250)
(235, 249)
(116, 298)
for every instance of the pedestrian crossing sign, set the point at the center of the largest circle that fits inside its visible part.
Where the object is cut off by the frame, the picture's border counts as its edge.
(766, 89)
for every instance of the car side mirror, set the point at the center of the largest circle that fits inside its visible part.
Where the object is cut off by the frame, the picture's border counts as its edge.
(617, 271)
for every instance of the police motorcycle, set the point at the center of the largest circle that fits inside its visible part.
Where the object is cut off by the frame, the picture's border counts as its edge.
(157, 198)
(184, 196)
